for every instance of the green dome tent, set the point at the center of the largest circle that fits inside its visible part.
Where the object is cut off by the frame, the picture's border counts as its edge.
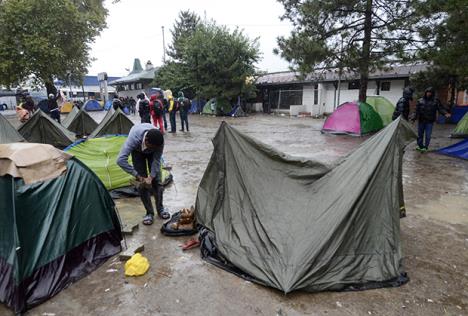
(80, 122)
(114, 123)
(57, 224)
(383, 107)
(217, 106)
(8, 134)
(461, 131)
(40, 128)
(100, 155)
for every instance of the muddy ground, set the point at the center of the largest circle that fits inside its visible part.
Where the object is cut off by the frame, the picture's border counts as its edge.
(434, 240)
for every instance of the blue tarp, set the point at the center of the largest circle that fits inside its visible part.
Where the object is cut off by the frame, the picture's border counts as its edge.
(458, 150)
(92, 105)
(458, 112)
(108, 105)
(197, 107)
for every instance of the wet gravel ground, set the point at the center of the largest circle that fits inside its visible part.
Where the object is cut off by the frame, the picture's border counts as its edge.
(434, 239)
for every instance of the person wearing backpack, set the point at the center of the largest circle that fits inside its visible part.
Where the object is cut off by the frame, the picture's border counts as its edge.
(184, 109)
(143, 108)
(157, 111)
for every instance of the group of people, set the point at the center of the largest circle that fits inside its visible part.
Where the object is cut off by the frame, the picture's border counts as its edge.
(160, 103)
(426, 114)
(27, 107)
(124, 102)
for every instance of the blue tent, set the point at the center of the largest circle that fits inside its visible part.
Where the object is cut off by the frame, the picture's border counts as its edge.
(458, 112)
(197, 107)
(92, 105)
(458, 150)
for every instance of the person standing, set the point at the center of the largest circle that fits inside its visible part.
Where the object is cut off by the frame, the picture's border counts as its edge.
(426, 112)
(172, 104)
(143, 108)
(132, 105)
(184, 107)
(157, 111)
(117, 103)
(53, 108)
(403, 105)
(145, 144)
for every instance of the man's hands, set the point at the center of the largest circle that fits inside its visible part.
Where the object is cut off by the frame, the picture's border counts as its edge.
(448, 115)
(146, 180)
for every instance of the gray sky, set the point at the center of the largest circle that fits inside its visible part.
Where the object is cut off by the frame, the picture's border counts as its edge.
(134, 30)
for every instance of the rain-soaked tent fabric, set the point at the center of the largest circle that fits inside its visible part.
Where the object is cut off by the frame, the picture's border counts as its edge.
(100, 155)
(40, 128)
(53, 233)
(8, 134)
(382, 106)
(71, 116)
(115, 122)
(217, 106)
(461, 131)
(297, 224)
(354, 118)
(80, 123)
(458, 150)
(92, 105)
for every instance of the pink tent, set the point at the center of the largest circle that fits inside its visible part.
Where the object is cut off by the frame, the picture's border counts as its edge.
(336, 123)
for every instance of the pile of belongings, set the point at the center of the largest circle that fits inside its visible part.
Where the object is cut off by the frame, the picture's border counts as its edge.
(182, 223)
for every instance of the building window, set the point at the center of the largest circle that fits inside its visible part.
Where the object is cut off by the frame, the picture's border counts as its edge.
(316, 93)
(353, 85)
(138, 86)
(385, 86)
(284, 97)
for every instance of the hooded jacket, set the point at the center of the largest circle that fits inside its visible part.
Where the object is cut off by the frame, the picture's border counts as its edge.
(427, 108)
(403, 105)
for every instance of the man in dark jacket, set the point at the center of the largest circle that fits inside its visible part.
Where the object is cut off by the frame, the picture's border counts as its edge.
(403, 105)
(426, 113)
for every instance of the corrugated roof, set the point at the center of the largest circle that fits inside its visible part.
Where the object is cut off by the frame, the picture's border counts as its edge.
(326, 75)
(135, 77)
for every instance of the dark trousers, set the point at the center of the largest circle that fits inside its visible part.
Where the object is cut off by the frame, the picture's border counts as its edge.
(145, 118)
(184, 118)
(55, 115)
(165, 121)
(142, 163)
(424, 134)
(172, 117)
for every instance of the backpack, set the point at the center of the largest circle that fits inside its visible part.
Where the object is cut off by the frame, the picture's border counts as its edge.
(158, 108)
(143, 107)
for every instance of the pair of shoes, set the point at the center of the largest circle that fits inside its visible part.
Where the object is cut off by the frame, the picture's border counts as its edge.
(171, 132)
(420, 149)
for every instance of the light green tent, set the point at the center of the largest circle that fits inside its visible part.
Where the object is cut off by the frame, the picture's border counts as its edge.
(217, 106)
(461, 131)
(40, 128)
(383, 106)
(100, 155)
(114, 123)
(298, 224)
(8, 134)
(80, 122)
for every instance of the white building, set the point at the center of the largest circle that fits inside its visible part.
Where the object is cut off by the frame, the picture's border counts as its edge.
(137, 81)
(89, 89)
(323, 91)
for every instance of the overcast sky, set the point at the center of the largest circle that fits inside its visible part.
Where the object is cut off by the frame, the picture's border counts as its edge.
(134, 30)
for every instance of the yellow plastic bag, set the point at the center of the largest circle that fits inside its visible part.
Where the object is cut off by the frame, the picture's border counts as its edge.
(137, 265)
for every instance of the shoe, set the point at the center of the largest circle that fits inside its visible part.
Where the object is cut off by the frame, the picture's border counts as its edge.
(181, 130)
(420, 149)
(424, 150)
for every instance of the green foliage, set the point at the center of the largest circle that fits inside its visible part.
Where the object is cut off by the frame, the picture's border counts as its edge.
(448, 38)
(47, 38)
(214, 62)
(183, 29)
(359, 35)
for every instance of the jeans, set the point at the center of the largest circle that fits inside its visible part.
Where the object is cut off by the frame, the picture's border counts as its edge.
(145, 118)
(424, 133)
(172, 117)
(142, 163)
(184, 118)
(164, 118)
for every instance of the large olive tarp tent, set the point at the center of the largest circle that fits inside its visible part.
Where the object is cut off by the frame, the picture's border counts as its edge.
(8, 134)
(57, 223)
(114, 123)
(71, 116)
(293, 223)
(100, 155)
(382, 106)
(354, 118)
(80, 122)
(40, 128)
(217, 106)
(461, 131)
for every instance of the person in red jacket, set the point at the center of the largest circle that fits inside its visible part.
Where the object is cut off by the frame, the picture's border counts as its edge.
(157, 111)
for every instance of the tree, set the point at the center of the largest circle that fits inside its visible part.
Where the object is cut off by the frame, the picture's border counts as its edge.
(47, 39)
(359, 35)
(183, 29)
(447, 36)
(215, 62)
